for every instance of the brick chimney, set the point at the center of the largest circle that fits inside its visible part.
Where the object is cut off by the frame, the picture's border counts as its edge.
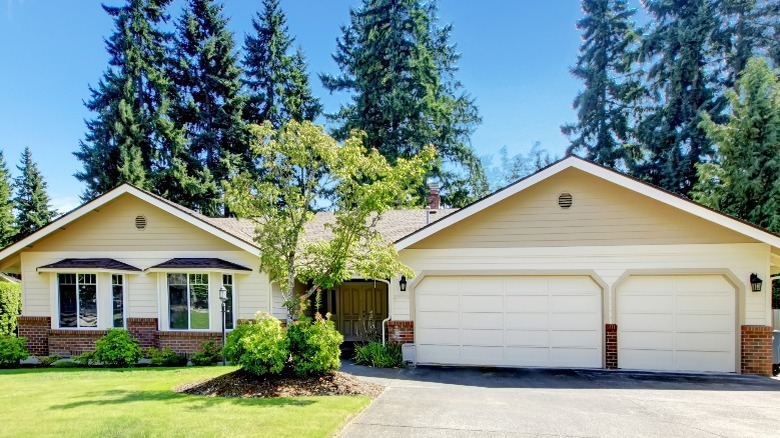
(434, 200)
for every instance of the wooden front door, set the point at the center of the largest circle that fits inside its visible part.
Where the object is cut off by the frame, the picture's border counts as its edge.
(356, 302)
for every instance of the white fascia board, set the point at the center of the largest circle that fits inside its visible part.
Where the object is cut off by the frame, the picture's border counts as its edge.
(197, 270)
(603, 173)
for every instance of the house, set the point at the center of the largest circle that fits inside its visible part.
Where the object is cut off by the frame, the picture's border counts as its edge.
(573, 266)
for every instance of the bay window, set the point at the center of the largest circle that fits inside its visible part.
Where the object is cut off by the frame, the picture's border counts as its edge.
(188, 301)
(77, 300)
(227, 282)
(118, 300)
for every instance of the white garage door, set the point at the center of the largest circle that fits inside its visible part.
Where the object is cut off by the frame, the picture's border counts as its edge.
(683, 322)
(509, 321)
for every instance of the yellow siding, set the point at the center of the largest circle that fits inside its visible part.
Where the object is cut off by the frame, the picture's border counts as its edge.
(113, 227)
(603, 213)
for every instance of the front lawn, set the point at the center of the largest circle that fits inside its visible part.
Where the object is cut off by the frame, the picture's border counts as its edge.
(140, 402)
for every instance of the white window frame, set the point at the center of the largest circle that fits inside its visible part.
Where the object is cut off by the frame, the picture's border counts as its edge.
(78, 305)
(124, 299)
(189, 304)
(232, 300)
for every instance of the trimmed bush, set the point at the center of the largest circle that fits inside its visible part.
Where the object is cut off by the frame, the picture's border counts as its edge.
(117, 349)
(377, 355)
(314, 346)
(166, 357)
(259, 347)
(48, 361)
(12, 350)
(209, 354)
(10, 306)
(85, 359)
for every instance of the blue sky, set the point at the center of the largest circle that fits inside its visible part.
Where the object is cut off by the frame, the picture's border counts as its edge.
(515, 61)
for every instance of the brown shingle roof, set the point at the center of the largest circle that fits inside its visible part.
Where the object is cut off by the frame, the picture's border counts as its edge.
(200, 263)
(97, 263)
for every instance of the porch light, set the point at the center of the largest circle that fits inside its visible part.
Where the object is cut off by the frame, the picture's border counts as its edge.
(755, 283)
(223, 299)
(402, 283)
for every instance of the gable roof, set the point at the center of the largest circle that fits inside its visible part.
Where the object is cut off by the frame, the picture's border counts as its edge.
(604, 173)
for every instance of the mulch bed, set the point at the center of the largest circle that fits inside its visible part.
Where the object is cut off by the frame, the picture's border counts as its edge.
(244, 384)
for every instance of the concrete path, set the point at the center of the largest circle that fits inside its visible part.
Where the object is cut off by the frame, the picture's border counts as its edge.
(488, 402)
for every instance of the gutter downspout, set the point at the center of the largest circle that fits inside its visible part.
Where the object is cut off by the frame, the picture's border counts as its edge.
(384, 321)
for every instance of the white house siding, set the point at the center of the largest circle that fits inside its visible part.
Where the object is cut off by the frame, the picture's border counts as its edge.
(608, 264)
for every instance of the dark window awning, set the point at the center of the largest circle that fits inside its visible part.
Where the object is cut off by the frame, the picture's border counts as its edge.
(103, 265)
(211, 264)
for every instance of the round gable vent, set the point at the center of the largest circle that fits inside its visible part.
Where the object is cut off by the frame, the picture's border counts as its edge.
(565, 200)
(140, 222)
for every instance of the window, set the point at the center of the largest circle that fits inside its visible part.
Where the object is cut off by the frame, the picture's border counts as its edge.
(78, 300)
(227, 281)
(118, 299)
(188, 301)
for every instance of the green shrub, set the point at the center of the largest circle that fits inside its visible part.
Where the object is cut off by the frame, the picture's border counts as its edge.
(209, 354)
(166, 357)
(48, 361)
(12, 350)
(67, 364)
(314, 346)
(259, 347)
(10, 307)
(84, 359)
(117, 349)
(377, 355)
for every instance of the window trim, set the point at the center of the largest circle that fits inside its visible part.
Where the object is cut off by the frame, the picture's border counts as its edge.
(124, 299)
(167, 309)
(232, 302)
(78, 304)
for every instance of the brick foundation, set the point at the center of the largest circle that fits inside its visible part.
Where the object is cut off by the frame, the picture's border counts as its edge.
(36, 330)
(67, 343)
(143, 329)
(401, 332)
(186, 342)
(611, 358)
(756, 350)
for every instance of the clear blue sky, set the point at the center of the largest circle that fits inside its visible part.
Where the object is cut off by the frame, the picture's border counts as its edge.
(515, 61)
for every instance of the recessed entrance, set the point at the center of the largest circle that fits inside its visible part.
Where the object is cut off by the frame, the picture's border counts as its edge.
(354, 302)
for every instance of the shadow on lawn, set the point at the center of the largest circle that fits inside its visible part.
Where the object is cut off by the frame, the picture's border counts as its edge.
(192, 402)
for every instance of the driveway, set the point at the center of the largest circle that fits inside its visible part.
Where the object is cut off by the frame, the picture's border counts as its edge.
(490, 402)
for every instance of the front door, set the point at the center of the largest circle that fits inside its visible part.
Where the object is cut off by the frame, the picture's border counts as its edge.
(358, 303)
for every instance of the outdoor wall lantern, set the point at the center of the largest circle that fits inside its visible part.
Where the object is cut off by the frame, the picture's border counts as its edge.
(223, 299)
(755, 283)
(402, 283)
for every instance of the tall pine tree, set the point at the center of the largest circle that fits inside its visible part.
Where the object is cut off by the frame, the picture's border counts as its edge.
(744, 179)
(276, 77)
(131, 130)
(209, 104)
(7, 228)
(32, 202)
(679, 48)
(399, 66)
(612, 88)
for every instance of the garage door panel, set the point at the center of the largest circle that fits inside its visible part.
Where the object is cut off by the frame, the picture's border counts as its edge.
(647, 321)
(510, 321)
(447, 303)
(527, 303)
(483, 303)
(438, 336)
(482, 337)
(647, 340)
(691, 328)
(484, 320)
(438, 319)
(527, 321)
(534, 338)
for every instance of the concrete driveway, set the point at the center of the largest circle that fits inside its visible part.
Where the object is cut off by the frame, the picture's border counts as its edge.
(482, 402)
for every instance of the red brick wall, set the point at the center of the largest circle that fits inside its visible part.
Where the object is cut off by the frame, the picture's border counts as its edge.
(68, 343)
(36, 330)
(756, 350)
(143, 329)
(186, 342)
(400, 331)
(610, 333)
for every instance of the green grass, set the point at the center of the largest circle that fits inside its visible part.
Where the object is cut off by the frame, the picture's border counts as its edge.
(140, 402)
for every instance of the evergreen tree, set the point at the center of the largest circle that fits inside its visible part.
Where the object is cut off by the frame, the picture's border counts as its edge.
(276, 77)
(126, 138)
(399, 66)
(746, 29)
(744, 179)
(7, 228)
(208, 106)
(679, 46)
(32, 203)
(606, 65)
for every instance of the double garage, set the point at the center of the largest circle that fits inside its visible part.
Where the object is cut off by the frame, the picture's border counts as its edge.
(664, 322)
